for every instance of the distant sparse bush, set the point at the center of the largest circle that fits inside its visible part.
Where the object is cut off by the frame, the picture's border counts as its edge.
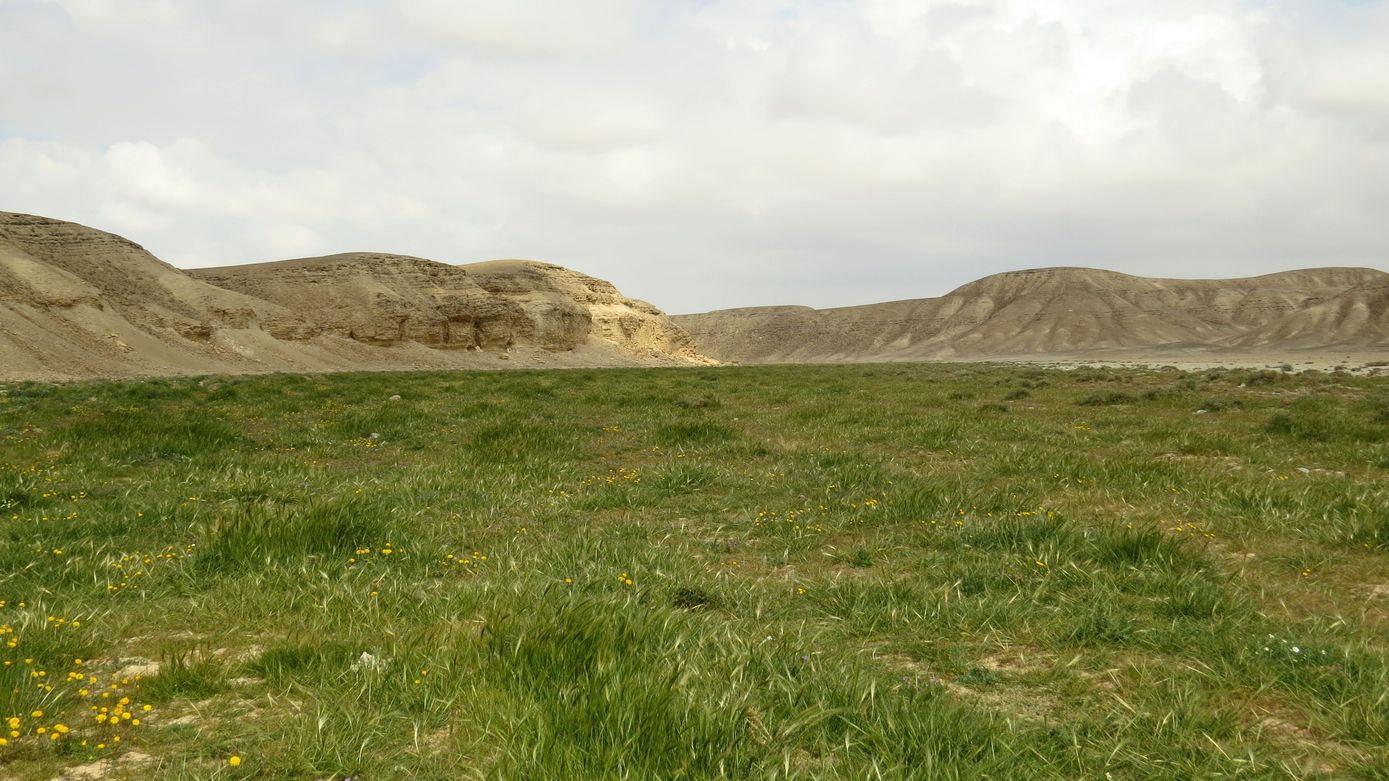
(704, 433)
(960, 395)
(703, 401)
(1093, 375)
(692, 598)
(1381, 415)
(1016, 395)
(1220, 405)
(1281, 424)
(979, 677)
(1106, 399)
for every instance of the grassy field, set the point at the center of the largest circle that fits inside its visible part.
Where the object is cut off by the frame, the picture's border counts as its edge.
(855, 572)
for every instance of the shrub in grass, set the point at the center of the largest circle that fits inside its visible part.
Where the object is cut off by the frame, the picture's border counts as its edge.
(694, 434)
(692, 598)
(702, 401)
(1022, 534)
(258, 535)
(1192, 595)
(19, 494)
(154, 434)
(979, 677)
(512, 442)
(1105, 623)
(185, 675)
(1368, 530)
(683, 477)
(284, 663)
(1111, 398)
(1220, 405)
(1282, 424)
(1122, 546)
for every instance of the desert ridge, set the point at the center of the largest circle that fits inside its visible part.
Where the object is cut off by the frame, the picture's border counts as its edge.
(78, 302)
(1072, 312)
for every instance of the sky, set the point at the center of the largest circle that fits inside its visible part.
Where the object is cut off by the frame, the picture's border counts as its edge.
(704, 154)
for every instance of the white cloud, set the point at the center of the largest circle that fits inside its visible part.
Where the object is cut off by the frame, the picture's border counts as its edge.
(719, 153)
(139, 170)
(528, 26)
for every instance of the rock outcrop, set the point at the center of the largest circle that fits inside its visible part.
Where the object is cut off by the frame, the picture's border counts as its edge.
(386, 300)
(492, 306)
(633, 325)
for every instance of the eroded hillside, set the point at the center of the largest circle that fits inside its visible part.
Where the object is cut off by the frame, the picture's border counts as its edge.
(1068, 311)
(79, 302)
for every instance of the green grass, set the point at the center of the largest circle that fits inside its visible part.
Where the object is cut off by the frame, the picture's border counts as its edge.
(752, 572)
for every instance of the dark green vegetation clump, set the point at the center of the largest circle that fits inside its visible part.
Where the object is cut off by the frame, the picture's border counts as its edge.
(742, 573)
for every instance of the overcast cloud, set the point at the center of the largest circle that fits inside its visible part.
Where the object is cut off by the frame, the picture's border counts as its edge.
(713, 153)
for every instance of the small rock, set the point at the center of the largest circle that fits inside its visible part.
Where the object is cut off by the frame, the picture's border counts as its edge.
(1200, 412)
(137, 667)
(368, 662)
(396, 397)
(374, 435)
(1304, 470)
(105, 768)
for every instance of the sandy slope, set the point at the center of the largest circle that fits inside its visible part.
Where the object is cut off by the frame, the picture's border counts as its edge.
(1071, 312)
(77, 302)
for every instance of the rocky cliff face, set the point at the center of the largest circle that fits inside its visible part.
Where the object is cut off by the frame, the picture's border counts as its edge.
(390, 299)
(634, 326)
(77, 302)
(385, 300)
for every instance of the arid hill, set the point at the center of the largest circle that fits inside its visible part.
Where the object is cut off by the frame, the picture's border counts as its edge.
(389, 300)
(78, 302)
(1069, 312)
